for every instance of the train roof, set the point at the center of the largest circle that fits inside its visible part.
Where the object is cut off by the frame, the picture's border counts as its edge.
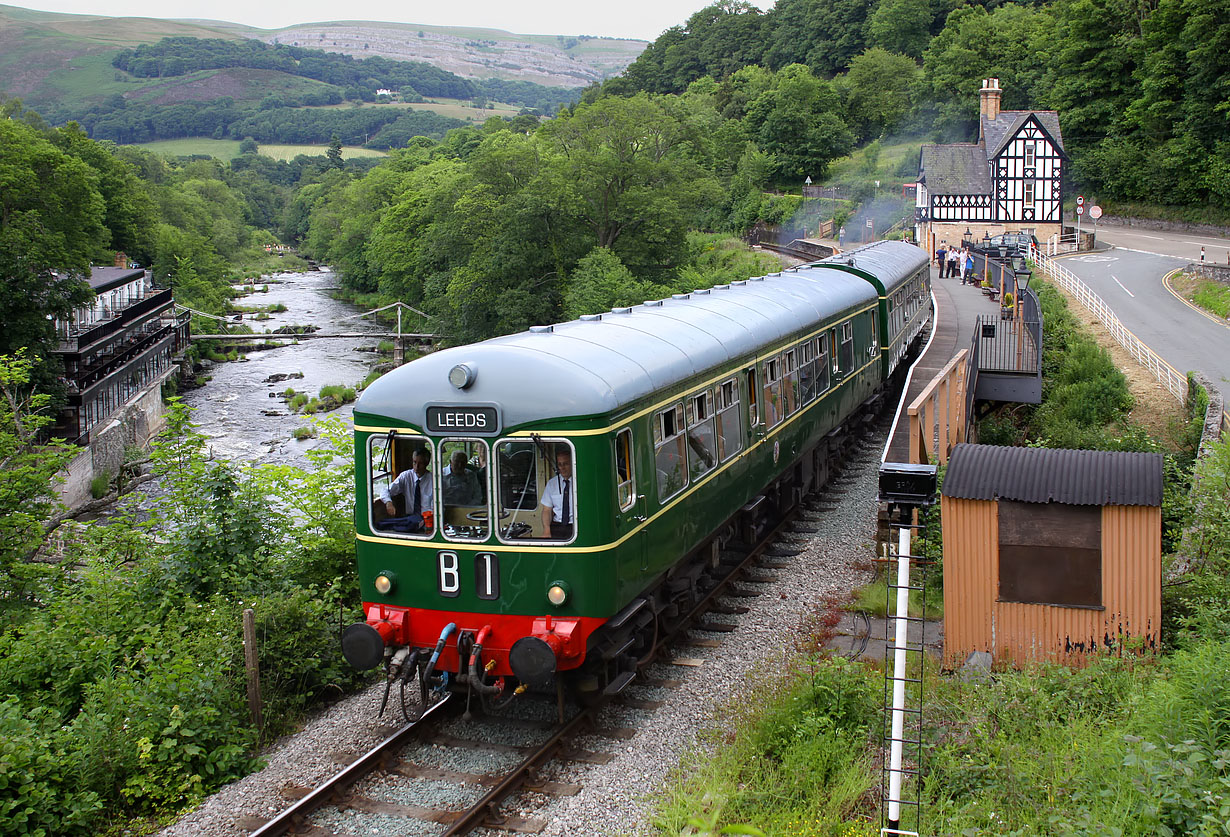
(886, 264)
(601, 363)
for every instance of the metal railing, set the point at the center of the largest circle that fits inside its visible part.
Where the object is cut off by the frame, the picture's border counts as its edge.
(1170, 377)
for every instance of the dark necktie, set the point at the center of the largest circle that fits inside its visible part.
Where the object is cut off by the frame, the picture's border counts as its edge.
(566, 515)
(418, 497)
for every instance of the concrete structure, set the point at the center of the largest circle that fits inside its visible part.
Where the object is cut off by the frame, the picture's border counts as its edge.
(1010, 180)
(1050, 554)
(117, 353)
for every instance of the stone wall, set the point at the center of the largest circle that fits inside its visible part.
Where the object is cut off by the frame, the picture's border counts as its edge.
(139, 421)
(1208, 270)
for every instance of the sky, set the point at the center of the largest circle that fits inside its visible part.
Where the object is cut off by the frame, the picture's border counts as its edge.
(644, 19)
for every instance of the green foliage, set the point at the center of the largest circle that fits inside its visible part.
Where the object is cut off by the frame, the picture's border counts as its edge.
(100, 485)
(600, 282)
(798, 757)
(1214, 298)
(38, 793)
(127, 679)
(30, 468)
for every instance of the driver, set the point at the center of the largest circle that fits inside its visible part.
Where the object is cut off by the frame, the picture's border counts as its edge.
(557, 499)
(415, 486)
(460, 484)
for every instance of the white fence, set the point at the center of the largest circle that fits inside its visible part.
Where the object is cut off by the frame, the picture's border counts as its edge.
(1174, 380)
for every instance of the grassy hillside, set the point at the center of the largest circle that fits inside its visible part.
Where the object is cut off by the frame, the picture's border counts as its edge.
(61, 64)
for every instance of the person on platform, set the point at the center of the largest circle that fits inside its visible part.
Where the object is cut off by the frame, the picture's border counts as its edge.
(557, 515)
(414, 485)
(968, 275)
(460, 485)
(953, 257)
(941, 258)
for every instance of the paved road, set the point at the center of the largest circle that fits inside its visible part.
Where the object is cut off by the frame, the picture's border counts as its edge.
(1183, 245)
(1130, 281)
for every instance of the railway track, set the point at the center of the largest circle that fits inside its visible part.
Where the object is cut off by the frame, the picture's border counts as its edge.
(373, 794)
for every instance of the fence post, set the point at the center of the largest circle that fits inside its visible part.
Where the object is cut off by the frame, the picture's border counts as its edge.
(252, 664)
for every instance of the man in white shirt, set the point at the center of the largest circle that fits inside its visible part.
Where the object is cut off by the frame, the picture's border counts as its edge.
(557, 516)
(414, 484)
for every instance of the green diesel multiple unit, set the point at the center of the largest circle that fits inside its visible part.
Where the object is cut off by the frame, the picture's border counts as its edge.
(541, 505)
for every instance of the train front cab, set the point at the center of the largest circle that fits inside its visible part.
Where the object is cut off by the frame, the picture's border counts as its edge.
(448, 565)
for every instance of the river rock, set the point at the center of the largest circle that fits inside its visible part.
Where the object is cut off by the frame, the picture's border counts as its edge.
(278, 377)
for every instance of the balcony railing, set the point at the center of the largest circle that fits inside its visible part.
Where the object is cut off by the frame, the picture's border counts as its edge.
(81, 337)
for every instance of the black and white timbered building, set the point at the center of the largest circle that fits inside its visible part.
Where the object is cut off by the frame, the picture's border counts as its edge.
(1011, 180)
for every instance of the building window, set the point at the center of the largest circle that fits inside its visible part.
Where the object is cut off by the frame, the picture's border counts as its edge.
(1050, 554)
(1029, 154)
(1029, 194)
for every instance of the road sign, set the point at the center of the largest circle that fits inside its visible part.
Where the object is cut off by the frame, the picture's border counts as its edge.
(808, 180)
(1080, 210)
(1095, 212)
(1080, 200)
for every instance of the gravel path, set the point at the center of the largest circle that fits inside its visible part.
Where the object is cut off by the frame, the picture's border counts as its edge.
(616, 796)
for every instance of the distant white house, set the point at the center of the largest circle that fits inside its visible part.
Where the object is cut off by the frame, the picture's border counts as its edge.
(384, 91)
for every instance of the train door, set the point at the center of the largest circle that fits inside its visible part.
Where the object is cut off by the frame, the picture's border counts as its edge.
(631, 501)
(754, 428)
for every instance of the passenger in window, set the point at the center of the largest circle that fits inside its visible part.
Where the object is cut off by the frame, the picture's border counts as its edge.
(460, 484)
(557, 499)
(414, 488)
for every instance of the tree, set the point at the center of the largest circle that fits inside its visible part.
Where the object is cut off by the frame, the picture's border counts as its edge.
(28, 470)
(51, 225)
(250, 146)
(902, 26)
(626, 170)
(600, 282)
(334, 154)
(877, 91)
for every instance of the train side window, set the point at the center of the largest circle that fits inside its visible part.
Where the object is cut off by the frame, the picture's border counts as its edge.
(528, 479)
(702, 435)
(790, 381)
(834, 354)
(772, 392)
(401, 500)
(730, 433)
(463, 489)
(822, 365)
(807, 372)
(670, 460)
(847, 347)
(625, 487)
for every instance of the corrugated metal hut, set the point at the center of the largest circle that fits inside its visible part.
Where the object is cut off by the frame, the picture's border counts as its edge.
(1049, 554)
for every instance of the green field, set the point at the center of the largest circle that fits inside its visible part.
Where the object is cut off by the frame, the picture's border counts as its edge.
(455, 108)
(229, 149)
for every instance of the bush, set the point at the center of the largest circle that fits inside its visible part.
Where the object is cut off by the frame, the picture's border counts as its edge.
(100, 485)
(301, 433)
(39, 795)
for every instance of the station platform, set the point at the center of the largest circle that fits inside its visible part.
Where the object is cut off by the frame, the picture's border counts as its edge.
(957, 309)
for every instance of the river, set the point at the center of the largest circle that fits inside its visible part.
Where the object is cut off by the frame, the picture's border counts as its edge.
(235, 409)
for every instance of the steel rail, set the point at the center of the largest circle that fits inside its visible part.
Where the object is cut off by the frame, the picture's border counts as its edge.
(293, 816)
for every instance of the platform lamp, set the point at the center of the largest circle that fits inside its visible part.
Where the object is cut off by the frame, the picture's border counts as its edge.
(969, 238)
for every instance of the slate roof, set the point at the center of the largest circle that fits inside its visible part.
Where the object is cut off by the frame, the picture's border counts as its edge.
(1042, 475)
(956, 169)
(106, 278)
(997, 132)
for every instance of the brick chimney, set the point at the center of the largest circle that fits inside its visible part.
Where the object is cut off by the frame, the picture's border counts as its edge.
(121, 260)
(988, 101)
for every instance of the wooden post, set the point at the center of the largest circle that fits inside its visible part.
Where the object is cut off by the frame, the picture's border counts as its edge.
(252, 664)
